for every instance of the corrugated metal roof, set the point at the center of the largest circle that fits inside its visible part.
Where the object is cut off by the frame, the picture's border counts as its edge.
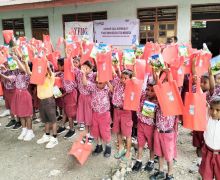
(15, 2)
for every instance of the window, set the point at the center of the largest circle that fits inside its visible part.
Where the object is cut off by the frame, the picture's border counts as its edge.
(157, 24)
(40, 26)
(84, 17)
(17, 25)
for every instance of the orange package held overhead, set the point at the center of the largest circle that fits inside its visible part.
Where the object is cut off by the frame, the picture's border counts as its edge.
(195, 110)
(39, 70)
(132, 96)
(104, 66)
(168, 96)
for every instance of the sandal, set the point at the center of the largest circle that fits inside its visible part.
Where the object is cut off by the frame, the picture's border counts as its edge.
(126, 159)
(119, 154)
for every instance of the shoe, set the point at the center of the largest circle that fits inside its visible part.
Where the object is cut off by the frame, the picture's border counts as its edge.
(119, 154)
(107, 152)
(36, 121)
(59, 118)
(156, 159)
(98, 150)
(61, 130)
(81, 127)
(157, 175)
(137, 166)
(16, 126)
(149, 166)
(52, 143)
(5, 113)
(90, 139)
(29, 135)
(126, 159)
(11, 124)
(45, 138)
(70, 134)
(75, 123)
(23, 134)
(169, 177)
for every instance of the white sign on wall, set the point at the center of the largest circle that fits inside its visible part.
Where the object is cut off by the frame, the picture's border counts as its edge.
(117, 32)
(80, 28)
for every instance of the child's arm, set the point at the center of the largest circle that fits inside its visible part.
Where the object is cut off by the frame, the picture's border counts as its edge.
(212, 82)
(4, 77)
(27, 68)
(84, 79)
(110, 86)
(20, 65)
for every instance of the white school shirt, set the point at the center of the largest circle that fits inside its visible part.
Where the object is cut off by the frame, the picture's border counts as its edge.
(212, 134)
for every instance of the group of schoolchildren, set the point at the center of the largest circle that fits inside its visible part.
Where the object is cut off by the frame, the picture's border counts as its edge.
(97, 108)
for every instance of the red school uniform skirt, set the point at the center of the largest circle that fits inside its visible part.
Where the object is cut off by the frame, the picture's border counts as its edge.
(70, 104)
(8, 95)
(21, 104)
(84, 110)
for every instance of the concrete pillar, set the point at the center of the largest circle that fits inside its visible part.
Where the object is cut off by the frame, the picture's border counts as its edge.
(27, 27)
(1, 36)
(184, 22)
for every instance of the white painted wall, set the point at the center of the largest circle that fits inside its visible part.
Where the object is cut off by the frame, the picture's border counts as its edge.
(116, 9)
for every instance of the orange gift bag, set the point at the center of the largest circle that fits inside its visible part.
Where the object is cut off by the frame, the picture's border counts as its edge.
(68, 74)
(140, 68)
(47, 43)
(170, 54)
(53, 57)
(168, 96)
(39, 71)
(86, 51)
(149, 50)
(195, 110)
(104, 66)
(132, 97)
(178, 72)
(8, 35)
(202, 63)
(81, 150)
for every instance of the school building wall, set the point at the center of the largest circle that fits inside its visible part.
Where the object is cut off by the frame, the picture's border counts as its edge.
(115, 10)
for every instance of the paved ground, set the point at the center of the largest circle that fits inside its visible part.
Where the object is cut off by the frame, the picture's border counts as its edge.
(28, 161)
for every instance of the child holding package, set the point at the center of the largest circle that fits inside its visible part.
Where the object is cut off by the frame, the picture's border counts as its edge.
(48, 110)
(210, 165)
(21, 104)
(146, 126)
(164, 142)
(84, 110)
(101, 120)
(69, 101)
(122, 123)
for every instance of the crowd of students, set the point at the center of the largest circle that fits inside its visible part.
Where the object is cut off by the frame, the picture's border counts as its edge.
(97, 108)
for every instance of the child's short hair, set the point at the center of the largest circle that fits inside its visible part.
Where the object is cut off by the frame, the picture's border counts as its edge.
(215, 100)
(127, 72)
(76, 58)
(60, 61)
(30, 64)
(89, 64)
(205, 76)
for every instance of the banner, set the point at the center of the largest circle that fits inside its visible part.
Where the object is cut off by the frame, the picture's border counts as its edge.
(80, 28)
(117, 32)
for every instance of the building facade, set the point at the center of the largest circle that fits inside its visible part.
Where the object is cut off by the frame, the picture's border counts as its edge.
(159, 19)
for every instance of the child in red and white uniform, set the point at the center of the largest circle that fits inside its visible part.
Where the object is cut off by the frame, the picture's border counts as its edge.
(9, 90)
(145, 129)
(69, 100)
(21, 104)
(210, 165)
(207, 86)
(164, 141)
(101, 120)
(122, 123)
(84, 110)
